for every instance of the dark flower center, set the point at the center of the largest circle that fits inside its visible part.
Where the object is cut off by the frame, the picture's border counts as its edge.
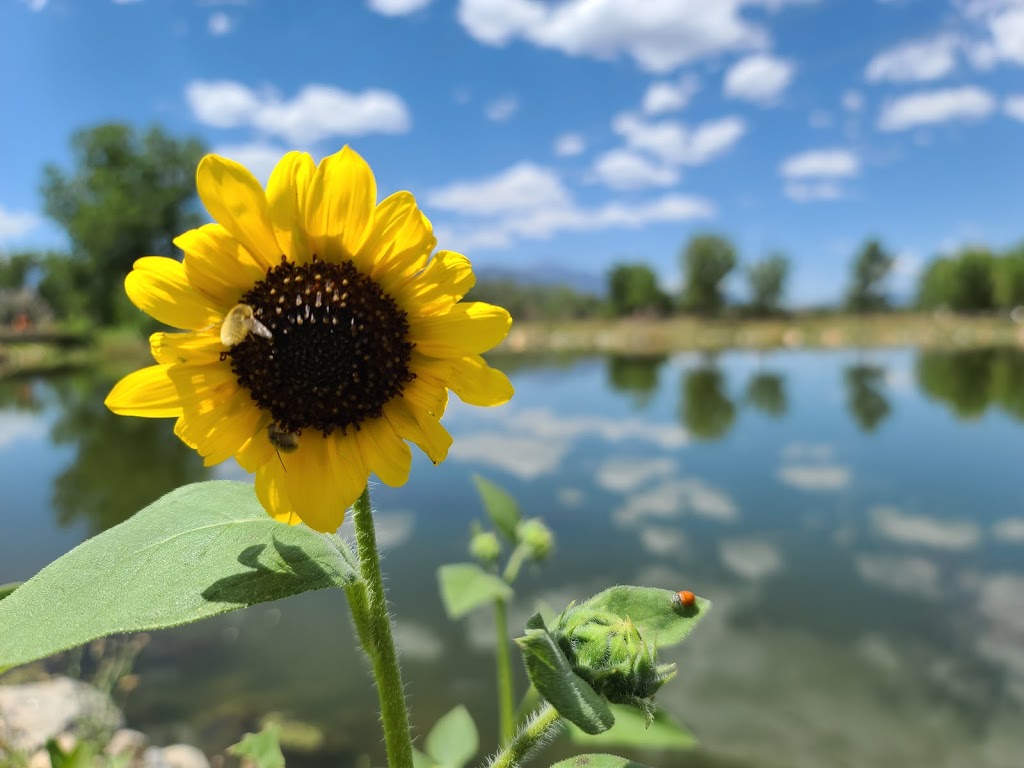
(339, 351)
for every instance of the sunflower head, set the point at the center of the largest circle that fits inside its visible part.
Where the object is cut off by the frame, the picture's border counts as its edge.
(320, 334)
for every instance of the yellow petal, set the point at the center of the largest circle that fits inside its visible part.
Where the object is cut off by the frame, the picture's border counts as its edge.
(399, 242)
(176, 348)
(257, 450)
(468, 328)
(324, 475)
(339, 206)
(146, 392)
(447, 278)
(286, 195)
(220, 434)
(236, 200)
(419, 428)
(385, 453)
(158, 286)
(218, 265)
(272, 491)
(476, 383)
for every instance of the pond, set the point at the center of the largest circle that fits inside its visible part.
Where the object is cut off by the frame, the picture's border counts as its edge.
(856, 516)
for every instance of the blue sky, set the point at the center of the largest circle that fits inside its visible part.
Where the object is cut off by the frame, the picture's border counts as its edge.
(575, 133)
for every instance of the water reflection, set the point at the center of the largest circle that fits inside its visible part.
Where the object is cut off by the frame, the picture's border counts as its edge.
(766, 392)
(972, 381)
(866, 401)
(636, 375)
(706, 411)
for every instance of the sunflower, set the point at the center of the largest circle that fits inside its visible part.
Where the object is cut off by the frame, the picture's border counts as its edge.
(320, 333)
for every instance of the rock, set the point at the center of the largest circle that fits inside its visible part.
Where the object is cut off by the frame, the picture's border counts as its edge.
(184, 756)
(127, 742)
(154, 758)
(32, 713)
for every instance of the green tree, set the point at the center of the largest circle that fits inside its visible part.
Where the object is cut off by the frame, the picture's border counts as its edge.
(15, 269)
(965, 282)
(870, 269)
(128, 195)
(1008, 279)
(633, 289)
(767, 280)
(707, 260)
(62, 285)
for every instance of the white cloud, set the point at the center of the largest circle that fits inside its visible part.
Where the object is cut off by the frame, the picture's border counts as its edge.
(502, 109)
(914, 61)
(668, 96)
(897, 525)
(1010, 530)
(675, 498)
(259, 157)
(663, 541)
(914, 576)
(967, 102)
(811, 477)
(626, 169)
(625, 474)
(675, 143)
(759, 78)
(809, 192)
(14, 224)
(18, 428)
(524, 186)
(853, 101)
(36, 5)
(219, 24)
(659, 35)
(1007, 28)
(752, 559)
(1014, 106)
(316, 112)
(397, 7)
(821, 163)
(570, 144)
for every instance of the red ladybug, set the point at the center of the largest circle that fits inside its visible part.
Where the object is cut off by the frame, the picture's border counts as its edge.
(683, 599)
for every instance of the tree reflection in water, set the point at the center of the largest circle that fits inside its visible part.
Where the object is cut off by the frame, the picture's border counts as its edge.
(706, 411)
(767, 393)
(864, 388)
(637, 375)
(971, 381)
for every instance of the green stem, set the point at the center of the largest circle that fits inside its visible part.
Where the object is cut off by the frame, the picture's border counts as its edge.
(515, 562)
(506, 700)
(541, 727)
(373, 625)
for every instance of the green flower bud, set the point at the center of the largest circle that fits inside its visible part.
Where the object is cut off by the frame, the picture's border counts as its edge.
(485, 547)
(607, 651)
(536, 537)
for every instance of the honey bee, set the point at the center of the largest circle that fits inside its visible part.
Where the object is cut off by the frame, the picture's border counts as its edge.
(281, 439)
(239, 323)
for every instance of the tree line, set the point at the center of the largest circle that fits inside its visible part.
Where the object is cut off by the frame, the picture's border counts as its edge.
(129, 192)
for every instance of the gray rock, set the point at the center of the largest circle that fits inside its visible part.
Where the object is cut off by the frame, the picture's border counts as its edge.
(34, 712)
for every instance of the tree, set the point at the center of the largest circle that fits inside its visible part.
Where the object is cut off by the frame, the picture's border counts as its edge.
(15, 269)
(633, 289)
(128, 195)
(1008, 280)
(767, 280)
(707, 259)
(969, 281)
(870, 269)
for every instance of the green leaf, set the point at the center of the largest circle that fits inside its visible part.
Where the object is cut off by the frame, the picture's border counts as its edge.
(631, 730)
(652, 612)
(453, 740)
(6, 589)
(467, 586)
(420, 760)
(201, 550)
(81, 756)
(566, 691)
(500, 506)
(598, 761)
(263, 748)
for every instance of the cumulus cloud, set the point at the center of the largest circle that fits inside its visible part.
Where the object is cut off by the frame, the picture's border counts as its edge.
(570, 145)
(759, 78)
(219, 24)
(752, 559)
(1009, 530)
(913, 576)
(833, 162)
(809, 192)
(259, 157)
(670, 96)
(15, 224)
(674, 498)
(897, 525)
(524, 186)
(853, 101)
(1013, 106)
(626, 169)
(660, 35)
(625, 474)
(502, 109)
(815, 477)
(675, 143)
(316, 112)
(914, 61)
(397, 7)
(968, 102)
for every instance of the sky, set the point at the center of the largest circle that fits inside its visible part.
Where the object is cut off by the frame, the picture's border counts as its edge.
(570, 135)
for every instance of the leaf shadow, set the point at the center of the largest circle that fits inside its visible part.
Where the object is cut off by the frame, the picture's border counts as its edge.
(281, 572)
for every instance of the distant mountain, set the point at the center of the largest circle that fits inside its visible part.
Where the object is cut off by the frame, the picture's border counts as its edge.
(581, 282)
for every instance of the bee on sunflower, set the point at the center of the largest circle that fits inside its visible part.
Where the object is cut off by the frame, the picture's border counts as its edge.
(320, 332)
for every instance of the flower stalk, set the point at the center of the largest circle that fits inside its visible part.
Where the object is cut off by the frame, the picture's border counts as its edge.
(538, 730)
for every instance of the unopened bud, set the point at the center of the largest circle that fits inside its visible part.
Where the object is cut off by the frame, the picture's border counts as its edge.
(485, 547)
(536, 537)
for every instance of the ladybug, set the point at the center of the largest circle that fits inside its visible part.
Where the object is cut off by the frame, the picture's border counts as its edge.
(683, 599)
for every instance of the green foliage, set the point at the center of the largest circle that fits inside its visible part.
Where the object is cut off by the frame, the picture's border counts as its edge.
(870, 269)
(631, 729)
(971, 381)
(967, 282)
(262, 749)
(635, 374)
(766, 392)
(633, 290)
(767, 279)
(1008, 280)
(16, 267)
(199, 551)
(453, 740)
(864, 384)
(598, 761)
(706, 412)
(64, 285)
(466, 586)
(526, 301)
(651, 611)
(500, 505)
(707, 260)
(127, 196)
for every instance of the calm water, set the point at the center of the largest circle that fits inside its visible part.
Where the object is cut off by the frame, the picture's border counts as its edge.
(856, 517)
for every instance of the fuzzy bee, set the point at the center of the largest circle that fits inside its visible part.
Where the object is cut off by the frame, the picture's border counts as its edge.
(239, 323)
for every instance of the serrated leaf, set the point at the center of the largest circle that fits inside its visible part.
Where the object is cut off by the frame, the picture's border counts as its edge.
(566, 691)
(500, 506)
(263, 748)
(466, 586)
(201, 550)
(652, 612)
(6, 589)
(631, 730)
(598, 761)
(453, 740)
